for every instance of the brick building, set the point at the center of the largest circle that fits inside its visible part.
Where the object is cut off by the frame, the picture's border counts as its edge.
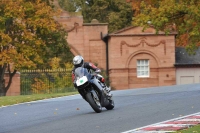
(141, 59)
(134, 58)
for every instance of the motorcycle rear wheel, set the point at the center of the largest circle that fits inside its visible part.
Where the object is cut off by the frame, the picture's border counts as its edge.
(94, 102)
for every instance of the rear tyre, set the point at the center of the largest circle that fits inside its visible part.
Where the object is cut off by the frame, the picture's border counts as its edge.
(94, 102)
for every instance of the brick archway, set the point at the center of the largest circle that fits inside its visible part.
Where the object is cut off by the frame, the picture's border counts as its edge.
(139, 52)
(133, 80)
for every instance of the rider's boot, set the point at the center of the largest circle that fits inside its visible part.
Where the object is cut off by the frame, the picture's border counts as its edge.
(107, 89)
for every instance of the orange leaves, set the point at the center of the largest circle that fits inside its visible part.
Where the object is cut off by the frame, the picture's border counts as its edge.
(183, 40)
(42, 13)
(136, 7)
(54, 63)
(14, 8)
(10, 55)
(138, 4)
(7, 55)
(39, 86)
(26, 26)
(171, 15)
(4, 39)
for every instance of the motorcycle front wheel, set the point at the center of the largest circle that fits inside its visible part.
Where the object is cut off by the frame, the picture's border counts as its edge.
(94, 102)
(111, 104)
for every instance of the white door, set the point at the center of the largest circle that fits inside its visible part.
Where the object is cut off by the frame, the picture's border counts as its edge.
(187, 75)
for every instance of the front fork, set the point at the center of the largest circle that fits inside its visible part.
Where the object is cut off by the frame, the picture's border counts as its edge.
(97, 91)
(101, 94)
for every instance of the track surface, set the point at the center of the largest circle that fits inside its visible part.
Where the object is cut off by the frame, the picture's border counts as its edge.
(134, 108)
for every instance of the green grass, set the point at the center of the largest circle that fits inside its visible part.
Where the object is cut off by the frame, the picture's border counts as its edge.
(10, 100)
(193, 129)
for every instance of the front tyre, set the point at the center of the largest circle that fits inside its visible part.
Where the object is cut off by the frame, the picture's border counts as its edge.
(111, 104)
(94, 102)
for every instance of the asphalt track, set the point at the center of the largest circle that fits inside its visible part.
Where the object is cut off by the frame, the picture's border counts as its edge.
(135, 108)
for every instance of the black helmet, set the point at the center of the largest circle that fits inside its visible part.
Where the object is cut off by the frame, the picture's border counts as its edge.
(78, 61)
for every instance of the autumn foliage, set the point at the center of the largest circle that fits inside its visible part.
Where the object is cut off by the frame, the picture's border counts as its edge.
(182, 16)
(30, 37)
(24, 31)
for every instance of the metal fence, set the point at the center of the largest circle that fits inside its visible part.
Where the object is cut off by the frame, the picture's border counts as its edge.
(45, 81)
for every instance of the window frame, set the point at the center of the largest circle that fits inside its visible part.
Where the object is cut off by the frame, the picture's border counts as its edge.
(139, 64)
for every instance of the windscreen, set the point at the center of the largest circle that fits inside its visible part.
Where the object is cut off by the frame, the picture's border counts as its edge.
(80, 72)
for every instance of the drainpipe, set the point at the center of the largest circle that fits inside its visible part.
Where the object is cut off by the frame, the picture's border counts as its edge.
(105, 39)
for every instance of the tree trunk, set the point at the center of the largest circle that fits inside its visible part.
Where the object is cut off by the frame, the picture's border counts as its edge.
(2, 80)
(3, 87)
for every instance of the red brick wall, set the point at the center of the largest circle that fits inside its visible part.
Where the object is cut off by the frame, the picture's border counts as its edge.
(86, 40)
(127, 46)
(15, 85)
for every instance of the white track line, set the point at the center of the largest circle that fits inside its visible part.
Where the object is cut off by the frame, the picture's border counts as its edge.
(154, 132)
(137, 129)
(37, 101)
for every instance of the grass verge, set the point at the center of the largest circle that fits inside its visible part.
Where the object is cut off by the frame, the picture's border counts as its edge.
(10, 100)
(193, 129)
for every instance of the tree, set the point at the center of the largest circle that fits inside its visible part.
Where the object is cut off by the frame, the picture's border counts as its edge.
(29, 37)
(68, 5)
(136, 5)
(182, 16)
(117, 13)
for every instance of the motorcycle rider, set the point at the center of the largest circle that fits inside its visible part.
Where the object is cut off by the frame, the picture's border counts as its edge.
(78, 61)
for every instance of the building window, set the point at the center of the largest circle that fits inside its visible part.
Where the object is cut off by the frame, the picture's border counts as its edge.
(142, 68)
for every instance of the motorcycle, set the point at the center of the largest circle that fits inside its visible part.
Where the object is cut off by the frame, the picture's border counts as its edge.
(92, 90)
